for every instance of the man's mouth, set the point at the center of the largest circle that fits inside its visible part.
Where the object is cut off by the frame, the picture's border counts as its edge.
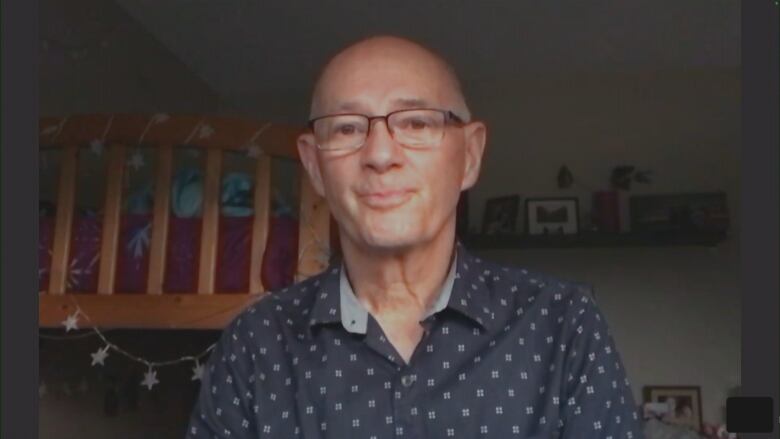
(386, 199)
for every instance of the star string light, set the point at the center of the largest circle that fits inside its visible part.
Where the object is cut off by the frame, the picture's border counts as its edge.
(150, 377)
(99, 357)
(71, 322)
(253, 150)
(197, 371)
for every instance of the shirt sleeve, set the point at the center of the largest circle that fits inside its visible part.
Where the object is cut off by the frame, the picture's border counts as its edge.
(598, 402)
(225, 404)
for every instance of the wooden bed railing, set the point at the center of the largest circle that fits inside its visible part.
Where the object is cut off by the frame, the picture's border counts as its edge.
(156, 308)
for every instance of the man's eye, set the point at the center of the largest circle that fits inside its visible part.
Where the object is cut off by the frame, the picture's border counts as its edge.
(416, 124)
(346, 129)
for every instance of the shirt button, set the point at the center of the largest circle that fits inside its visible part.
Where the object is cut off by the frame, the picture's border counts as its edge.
(407, 380)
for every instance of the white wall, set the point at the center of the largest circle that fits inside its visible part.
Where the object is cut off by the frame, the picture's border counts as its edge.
(675, 312)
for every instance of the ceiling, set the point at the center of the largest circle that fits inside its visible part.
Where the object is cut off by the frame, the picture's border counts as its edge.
(249, 50)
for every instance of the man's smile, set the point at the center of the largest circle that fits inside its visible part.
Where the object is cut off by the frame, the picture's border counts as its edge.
(386, 199)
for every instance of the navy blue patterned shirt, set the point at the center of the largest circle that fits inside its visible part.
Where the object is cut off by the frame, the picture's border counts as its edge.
(510, 353)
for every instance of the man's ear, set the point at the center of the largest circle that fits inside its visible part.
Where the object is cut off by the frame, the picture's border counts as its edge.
(307, 151)
(475, 136)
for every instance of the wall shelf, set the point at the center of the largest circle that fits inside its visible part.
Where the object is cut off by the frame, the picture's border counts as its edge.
(593, 240)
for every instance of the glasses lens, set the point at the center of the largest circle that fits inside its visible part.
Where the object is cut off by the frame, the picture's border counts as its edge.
(420, 128)
(341, 131)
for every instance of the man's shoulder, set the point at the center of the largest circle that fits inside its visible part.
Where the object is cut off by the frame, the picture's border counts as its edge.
(290, 305)
(532, 285)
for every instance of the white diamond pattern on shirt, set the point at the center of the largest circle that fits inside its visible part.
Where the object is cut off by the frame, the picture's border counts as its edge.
(544, 365)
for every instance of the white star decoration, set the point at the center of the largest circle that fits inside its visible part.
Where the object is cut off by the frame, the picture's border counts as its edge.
(197, 371)
(205, 131)
(71, 322)
(51, 129)
(150, 378)
(254, 151)
(160, 117)
(100, 356)
(136, 160)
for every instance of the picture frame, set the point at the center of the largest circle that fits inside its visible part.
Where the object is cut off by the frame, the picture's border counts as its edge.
(552, 216)
(683, 404)
(500, 215)
(682, 212)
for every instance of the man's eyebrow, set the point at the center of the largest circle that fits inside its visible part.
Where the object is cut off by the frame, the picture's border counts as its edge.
(400, 103)
(410, 103)
(347, 106)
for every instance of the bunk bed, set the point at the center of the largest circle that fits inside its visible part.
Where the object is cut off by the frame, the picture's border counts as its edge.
(154, 267)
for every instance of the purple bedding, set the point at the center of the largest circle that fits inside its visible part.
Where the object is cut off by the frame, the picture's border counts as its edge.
(181, 271)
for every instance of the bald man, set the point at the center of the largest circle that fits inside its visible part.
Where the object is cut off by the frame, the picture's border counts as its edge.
(408, 335)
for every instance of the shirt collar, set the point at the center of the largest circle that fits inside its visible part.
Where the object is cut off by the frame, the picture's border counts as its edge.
(463, 291)
(354, 315)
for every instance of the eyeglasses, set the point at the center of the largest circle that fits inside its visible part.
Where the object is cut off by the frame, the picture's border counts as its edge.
(414, 128)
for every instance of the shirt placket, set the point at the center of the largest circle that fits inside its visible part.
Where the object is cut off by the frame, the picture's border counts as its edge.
(405, 421)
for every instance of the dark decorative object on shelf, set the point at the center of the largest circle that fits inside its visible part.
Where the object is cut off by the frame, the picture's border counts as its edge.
(694, 212)
(552, 216)
(500, 215)
(623, 175)
(606, 207)
(605, 213)
(565, 178)
(620, 177)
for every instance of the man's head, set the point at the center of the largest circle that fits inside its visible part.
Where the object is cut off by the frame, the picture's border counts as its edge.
(385, 194)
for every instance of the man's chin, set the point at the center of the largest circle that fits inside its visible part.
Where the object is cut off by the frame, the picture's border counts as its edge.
(389, 242)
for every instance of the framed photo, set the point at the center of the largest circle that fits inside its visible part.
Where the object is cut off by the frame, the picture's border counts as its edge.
(683, 404)
(552, 216)
(500, 215)
(694, 212)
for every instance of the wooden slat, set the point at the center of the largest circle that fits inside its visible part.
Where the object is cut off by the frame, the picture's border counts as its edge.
(262, 207)
(162, 201)
(64, 221)
(166, 311)
(210, 230)
(111, 217)
(314, 231)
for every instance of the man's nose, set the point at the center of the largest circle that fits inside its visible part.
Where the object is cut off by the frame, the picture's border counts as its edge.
(380, 150)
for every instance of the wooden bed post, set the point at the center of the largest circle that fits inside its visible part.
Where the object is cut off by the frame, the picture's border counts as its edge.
(66, 198)
(162, 201)
(313, 230)
(111, 219)
(207, 269)
(262, 206)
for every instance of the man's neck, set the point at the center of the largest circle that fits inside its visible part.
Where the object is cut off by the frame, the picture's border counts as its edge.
(399, 285)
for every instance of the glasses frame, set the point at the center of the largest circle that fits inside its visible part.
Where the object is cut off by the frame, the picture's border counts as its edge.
(450, 118)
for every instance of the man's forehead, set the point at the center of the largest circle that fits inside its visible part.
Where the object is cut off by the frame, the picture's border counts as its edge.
(397, 72)
(391, 83)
